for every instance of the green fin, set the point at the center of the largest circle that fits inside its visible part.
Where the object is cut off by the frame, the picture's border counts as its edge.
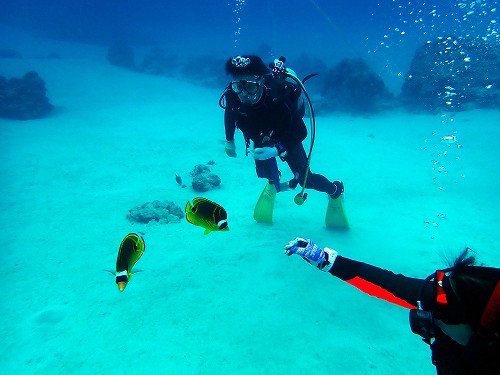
(263, 212)
(335, 214)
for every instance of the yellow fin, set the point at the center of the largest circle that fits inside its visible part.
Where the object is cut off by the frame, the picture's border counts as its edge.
(335, 214)
(263, 212)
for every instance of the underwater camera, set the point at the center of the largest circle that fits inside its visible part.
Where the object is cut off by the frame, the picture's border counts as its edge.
(422, 324)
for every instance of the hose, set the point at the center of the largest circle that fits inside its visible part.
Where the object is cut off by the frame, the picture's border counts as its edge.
(301, 197)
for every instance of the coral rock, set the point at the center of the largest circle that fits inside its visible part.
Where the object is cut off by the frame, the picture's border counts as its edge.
(351, 86)
(120, 54)
(204, 179)
(162, 212)
(24, 98)
(453, 73)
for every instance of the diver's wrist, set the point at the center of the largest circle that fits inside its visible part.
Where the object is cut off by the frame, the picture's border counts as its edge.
(331, 255)
(281, 151)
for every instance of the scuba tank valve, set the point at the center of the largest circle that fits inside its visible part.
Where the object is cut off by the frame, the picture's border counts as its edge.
(279, 67)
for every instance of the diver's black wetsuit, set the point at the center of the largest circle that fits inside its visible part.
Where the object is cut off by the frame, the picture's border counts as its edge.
(275, 119)
(449, 357)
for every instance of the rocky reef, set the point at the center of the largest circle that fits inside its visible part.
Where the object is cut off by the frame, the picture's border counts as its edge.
(9, 53)
(351, 86)
(206, 70)
(453, 73)
(24, 98)
(122, 55)
(163, 212)
(203, 178)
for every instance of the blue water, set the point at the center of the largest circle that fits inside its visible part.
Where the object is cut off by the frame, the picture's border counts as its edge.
(260, 21)
(385, 33)
(225, 304)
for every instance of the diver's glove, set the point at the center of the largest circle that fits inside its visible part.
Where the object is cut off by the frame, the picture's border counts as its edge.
(230, 149)
(264, 153)
(309, 251)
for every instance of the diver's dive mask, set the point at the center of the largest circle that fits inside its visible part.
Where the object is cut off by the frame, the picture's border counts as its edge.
(251, 87)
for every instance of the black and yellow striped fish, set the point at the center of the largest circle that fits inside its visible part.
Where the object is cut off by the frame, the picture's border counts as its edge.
(206, 214)
(131, 250)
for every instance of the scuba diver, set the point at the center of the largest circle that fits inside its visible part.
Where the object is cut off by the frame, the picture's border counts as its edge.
(456, 310)
(267, 106)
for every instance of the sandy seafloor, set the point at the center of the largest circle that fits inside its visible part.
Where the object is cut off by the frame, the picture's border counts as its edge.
(232, 302)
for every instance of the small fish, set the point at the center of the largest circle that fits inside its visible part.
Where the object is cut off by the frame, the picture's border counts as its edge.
(206, 214)
(448, 139)
(178, 179)
(131, 250)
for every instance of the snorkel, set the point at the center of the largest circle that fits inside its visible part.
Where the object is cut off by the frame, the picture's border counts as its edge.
(279, 70)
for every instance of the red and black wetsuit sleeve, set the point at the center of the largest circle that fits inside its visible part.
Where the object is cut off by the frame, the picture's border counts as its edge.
(395, 288)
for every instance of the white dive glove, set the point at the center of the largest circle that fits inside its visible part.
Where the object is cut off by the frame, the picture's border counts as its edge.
(230, 149)
(312, 253)
(264, 153)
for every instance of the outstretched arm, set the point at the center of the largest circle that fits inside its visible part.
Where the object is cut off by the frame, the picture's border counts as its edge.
(375, 281)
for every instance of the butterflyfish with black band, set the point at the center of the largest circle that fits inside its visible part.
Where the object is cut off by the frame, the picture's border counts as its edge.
(206, 214)
(131, 250)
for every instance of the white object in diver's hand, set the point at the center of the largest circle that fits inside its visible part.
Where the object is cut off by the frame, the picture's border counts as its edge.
(264, 153)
